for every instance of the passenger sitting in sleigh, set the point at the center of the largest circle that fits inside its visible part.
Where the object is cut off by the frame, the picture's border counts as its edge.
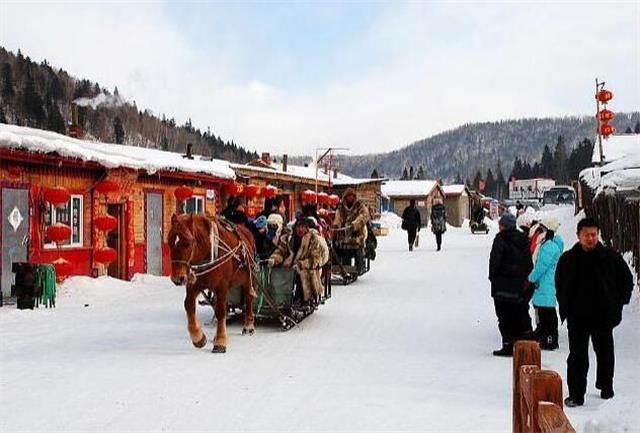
(305, 251)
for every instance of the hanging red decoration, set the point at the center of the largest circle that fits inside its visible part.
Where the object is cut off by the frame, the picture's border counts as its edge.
(605, 115)
(57, 195)
(107, 186)
(606, 129)
(58, 232)
(106, 223)
(14, 170)
(334, 200)
(252, 211)
(323, 198)
(269, 191)
(183, 193)
(308, 196)
(233, 188)
(104, 255)
(63, 268)
(251, 191)
(604, 96)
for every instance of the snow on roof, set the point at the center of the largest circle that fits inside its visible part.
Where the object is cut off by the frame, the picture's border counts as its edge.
(408, 188)
(622, 173)
(616, 147)
(308, 172)
(453, 189)
(108, 155)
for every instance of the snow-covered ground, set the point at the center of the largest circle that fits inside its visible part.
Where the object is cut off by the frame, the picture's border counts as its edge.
(405, 348)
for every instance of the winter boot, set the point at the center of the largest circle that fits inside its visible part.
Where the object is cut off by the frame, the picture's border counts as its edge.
(411, 247)
(506, 350)
(573, 401)
(606, 393)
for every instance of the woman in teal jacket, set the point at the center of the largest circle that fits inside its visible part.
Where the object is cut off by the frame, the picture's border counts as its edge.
(544, 296)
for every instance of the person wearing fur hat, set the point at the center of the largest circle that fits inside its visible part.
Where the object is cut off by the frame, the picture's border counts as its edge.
(350, 225)
(542, 278)
(438, 220)
(509, 266)
(305, 251)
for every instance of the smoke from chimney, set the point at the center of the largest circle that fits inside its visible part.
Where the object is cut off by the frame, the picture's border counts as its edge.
(110, 101)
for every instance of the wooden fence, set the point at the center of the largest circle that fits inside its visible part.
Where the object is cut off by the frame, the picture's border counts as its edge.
(537, 394)
(619, 216)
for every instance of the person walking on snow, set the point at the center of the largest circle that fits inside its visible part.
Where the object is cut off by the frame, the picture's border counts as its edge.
(411, 222)
(542, 278)
(438, 220)
(593, 284)
(509, 265)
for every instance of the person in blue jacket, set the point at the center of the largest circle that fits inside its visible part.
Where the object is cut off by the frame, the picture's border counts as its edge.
(542, 277)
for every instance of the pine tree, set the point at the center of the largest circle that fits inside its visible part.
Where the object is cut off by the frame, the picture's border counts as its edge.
(636, 130)
(405, 175)
(55, 121)
(421, 175)
(628, 130)
(579, 159)
(546, 163)
(490, 185)
(560, 162)
(458, 180)
(501, 184)
(31, 104)
(7, 91)
(374, 174)
(3, 118)
(476, 180)
(411, 173)
(118, 131)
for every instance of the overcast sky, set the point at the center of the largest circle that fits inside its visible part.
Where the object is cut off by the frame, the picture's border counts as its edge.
(369, 76)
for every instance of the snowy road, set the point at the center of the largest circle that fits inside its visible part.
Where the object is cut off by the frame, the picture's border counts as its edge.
(405, 348)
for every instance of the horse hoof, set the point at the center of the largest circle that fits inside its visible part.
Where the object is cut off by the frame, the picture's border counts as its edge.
(200, 344)
(217, 348)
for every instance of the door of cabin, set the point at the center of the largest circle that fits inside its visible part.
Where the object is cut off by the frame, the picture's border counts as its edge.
(15, 232)
(153, 233)
(116, 239)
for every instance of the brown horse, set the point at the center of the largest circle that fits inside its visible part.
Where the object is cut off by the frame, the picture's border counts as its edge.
(211, 254)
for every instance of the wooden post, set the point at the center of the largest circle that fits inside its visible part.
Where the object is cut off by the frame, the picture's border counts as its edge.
(551, 419)
(537, 385)
(525, 352)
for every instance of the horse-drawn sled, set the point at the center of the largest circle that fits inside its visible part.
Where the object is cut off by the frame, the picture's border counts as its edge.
(216, 259)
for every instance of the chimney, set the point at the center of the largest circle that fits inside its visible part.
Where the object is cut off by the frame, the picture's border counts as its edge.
(266, 158)
(285, 159)
(75, 130)
(189, 154)
(335, 173)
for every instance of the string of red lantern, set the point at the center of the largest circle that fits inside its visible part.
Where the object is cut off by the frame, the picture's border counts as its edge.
(308, 196)
(251, 191)
(56, 196)
(183, 193)
(233, 188)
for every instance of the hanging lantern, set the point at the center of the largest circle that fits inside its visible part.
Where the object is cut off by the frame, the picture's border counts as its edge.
(269, 191)
(323, 198)
(107, 186)
(606, 129)
(63, 268)
(233, 188)
(183, 193)
(251, 191)
(308, 196)
(604, 96)
(57, 196)
(105, 255)
(14, 170)
(58, 232)
(605, 115)
(252, 211)
(334, 200)
(106, 223)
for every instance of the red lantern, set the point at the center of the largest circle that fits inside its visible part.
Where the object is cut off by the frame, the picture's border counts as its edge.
(14, 170)
(251, 191)
(105, 255)
(58, 232)
(308, 196)
(63, 268)
(604, 96)
(606, 129)
(605, 115)
(269, 191)
(334, 200)
(233, 188)
(183, 193)
(252, 211)
(323, 198)
(106, 223)
(57, 196)
(107, 186)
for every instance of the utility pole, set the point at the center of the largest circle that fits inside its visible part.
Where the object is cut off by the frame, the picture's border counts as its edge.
(599, 86)
(328, 151)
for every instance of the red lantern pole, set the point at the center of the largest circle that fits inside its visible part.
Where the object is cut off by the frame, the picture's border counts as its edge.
(598, 87)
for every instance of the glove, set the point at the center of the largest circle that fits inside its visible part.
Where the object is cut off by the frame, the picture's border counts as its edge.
(271, 263)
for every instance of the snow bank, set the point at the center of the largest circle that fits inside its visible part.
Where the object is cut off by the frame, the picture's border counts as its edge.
(107, 154)
(408, 188)
(390, 220)
(616, 147)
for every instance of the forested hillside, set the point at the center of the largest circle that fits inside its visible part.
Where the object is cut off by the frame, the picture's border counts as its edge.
(40, 96)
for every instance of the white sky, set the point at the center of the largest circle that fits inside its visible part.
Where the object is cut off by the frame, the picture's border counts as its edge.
(371, 77)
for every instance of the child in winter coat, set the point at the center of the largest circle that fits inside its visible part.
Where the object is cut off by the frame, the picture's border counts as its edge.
(542, 276)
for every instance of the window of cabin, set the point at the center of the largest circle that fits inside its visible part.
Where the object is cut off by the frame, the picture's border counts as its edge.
(70, 214)
(195, 205)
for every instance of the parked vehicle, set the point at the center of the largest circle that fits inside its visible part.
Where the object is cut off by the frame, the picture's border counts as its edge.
(559, 195)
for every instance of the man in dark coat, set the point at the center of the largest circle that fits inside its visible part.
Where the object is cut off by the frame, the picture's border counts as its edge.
(234, 211)
(593, 282)
(411, 222)
(438, 220)
(509, 265)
